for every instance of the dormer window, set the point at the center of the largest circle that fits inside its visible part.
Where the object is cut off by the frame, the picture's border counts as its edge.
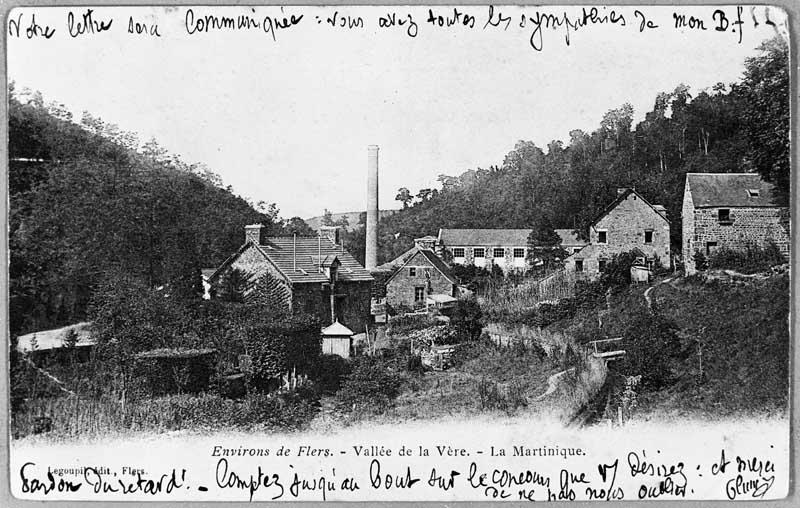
(753, 193)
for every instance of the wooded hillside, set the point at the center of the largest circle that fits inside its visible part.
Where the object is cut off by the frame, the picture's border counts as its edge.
(88, 201)
(736, 127)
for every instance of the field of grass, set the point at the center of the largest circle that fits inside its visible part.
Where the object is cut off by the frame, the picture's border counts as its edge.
(737, 337)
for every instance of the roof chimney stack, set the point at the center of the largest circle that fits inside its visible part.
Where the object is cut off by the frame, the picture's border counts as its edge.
(371, 260)
(254, 233)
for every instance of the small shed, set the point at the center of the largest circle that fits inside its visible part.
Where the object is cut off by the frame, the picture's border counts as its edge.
(337, 339)
(440, 301)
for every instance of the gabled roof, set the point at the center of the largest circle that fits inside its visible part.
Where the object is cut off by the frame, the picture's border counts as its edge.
(298, 259)
(402, 260)
(337, 329)
(730, 189)
(479, 237)
(624, 195)
(569, 238)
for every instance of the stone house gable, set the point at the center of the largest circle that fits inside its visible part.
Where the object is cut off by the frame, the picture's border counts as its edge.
(629, 223)
(416, 279)
(263, 281)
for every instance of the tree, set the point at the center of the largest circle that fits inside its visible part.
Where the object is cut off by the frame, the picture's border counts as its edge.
(765, 89)
(404, 196)
(297, 226)
(544, 246)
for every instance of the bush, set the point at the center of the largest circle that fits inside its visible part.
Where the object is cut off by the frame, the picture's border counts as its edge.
(406, 323)
(507, 398)
(651, 345)
(752, 259)
(700, 261)
(280, 347)
(466, 319)
(618, 271)
(329, 372)
(174, 370)
(370, 387)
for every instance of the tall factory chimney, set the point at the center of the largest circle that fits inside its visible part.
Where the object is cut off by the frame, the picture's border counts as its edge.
(371, 260)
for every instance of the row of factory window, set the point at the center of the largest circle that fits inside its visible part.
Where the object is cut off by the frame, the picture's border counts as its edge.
(480, 252)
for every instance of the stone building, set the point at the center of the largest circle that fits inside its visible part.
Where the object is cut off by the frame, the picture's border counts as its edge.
(417, 277)
(506, 248)
(731, 210)
(313, 275)
(629, 223)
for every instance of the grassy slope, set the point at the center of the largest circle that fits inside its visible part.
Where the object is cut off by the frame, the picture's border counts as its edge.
(744, 332)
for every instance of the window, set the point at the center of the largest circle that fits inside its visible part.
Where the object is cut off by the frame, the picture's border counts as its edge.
(412, 272)
(519, 253)
(578, 265)
(753, 193)
(648, 237)
(711, 247)
(478, 252)
(602, 237)
(576, 249)
(498, 253)
(427, 272)
(601, 265)
(725, 216)
(458, 252)
(419, 294)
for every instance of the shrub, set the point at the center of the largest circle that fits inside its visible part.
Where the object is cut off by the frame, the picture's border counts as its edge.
(651, 345)
(507, 398)
(406, 323)
(752, 259)
(414, 364)
(329, 372)
(370, 387)
(618, 271)
(175, 370)
(700, 261)
(466, 319)
(280, 347)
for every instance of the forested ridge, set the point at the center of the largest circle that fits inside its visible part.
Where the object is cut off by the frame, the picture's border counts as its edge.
(90, 202)
(737, 127)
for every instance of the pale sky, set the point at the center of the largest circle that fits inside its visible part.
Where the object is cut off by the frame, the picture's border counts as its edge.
(289, 120)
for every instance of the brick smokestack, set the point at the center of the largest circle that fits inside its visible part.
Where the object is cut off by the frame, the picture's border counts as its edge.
(371, 260)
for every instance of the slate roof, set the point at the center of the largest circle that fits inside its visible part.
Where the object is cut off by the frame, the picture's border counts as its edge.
(403, 259)
(729, 189)
(489, 237)
(283, 251)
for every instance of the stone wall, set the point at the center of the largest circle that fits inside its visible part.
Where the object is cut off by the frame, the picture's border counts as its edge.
(746, 227)
(626, 225)
(400, 290)
(687, 231)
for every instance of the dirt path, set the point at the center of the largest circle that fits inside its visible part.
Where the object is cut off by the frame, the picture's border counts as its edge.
(552, 383)
(647, 293)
